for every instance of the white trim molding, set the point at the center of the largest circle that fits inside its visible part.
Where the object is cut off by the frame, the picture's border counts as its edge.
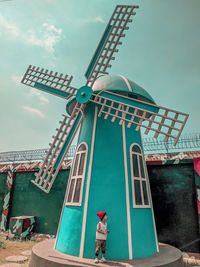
(141, 177)
(130, 249)
(152, 210)
(127, 83)
(88, 185)
(76, 175)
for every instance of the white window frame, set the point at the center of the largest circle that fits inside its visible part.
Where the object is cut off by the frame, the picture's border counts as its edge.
(139, 178)
(76, 176)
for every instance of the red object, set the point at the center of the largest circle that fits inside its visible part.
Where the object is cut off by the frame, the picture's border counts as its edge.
(27, 223)
(101, 214)
(154, 162)
(5, 212)
(196, 162)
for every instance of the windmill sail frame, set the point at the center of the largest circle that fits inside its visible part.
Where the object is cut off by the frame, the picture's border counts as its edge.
(173, 121)
(47, 81)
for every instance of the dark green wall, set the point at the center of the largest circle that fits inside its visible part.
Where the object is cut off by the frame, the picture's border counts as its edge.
(173, 193)
(175, 205)
(3, 190)
(27, 199)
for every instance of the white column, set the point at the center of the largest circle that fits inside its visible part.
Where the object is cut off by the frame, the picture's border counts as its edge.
(127, 194)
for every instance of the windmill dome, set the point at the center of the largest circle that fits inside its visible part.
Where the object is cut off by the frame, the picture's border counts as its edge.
(117, 84)
(120, 84)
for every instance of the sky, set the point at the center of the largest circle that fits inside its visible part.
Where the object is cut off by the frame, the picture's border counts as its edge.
(161, 53)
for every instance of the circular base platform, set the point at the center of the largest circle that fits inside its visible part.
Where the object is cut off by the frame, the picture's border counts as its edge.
(44, 255)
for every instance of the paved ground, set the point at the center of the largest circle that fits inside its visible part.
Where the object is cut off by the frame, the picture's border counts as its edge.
(44, 255)
(26, 253)
(16, 248)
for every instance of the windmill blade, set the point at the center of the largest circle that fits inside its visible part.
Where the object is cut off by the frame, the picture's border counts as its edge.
(58, 149)
(47, 81)
(109, 42)
(160, 120)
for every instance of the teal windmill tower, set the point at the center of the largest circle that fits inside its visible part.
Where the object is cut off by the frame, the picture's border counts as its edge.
(108, 170)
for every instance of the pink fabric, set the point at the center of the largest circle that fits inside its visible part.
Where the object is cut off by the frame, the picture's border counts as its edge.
(196, 162)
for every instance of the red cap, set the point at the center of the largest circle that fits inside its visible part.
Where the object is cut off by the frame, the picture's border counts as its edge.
(101, 214)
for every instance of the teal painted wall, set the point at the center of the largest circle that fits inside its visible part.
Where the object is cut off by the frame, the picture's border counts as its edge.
(27, 199)
(69, 236)
(107, 191)
(144, 243)
(68, 241)
(142, 226)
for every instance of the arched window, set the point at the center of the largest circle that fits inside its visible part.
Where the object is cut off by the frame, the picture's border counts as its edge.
(75, 188)
(139, 178)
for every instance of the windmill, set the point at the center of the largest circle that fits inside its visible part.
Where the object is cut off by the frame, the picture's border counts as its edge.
(108, 170)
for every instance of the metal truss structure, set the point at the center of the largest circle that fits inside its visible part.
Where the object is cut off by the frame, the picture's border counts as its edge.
(187, 142)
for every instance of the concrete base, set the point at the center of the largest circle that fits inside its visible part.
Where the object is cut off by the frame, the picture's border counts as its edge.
(43, 255)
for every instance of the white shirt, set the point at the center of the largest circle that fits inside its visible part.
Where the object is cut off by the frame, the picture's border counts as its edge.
(103, 227)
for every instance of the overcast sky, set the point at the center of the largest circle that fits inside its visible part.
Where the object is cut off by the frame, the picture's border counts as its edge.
(161, 53)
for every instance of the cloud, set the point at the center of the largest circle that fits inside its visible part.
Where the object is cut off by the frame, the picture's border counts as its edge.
(50, 37)
(46, 36)
(9, 27)
(42, 98)
(33, 111)
(48, 42)
(99, 19)
(16, 79)
(52, 28)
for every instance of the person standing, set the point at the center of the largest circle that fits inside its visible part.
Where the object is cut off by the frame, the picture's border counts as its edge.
(101, 236)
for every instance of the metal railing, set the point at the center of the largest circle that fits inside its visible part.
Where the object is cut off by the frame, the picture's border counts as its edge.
(30, 155)
(187, 142)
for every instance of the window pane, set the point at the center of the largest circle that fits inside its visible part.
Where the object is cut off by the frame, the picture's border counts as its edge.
(71, 191)
(77, 190)
(82, 147)
(136, 149)
(75, 165)
(138, 197)
(144, 187)
(135, 165)
(81, 164)
(141, 167)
